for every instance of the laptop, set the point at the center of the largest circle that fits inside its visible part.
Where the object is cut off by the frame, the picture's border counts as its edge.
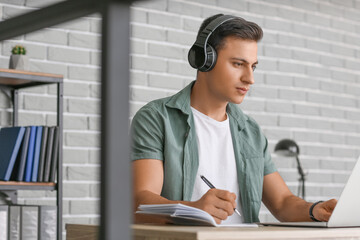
(347, 210)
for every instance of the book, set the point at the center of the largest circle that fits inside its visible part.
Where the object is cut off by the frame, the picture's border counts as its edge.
(4, 221)
(49, 149)
(47, 222)
(10, 141)
(180, 214)
(14, 222)
(22, 155)
(29, 222)
(54, 155)
(30, 154)
(35, 167)
(42, 154)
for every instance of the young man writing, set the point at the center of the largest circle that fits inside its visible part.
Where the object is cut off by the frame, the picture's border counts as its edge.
(202, 131)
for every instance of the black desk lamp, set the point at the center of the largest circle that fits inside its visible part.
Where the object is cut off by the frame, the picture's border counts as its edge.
(289, 148)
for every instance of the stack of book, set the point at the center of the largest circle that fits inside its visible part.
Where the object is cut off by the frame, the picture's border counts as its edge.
(27, 222)
(29, 154)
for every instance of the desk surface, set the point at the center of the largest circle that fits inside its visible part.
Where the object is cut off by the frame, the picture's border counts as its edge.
(169, 232)
(145, 232)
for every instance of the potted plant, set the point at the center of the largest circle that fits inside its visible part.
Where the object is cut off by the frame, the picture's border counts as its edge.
(18, 59)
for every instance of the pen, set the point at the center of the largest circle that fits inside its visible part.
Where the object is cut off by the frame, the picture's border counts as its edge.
(212, 186)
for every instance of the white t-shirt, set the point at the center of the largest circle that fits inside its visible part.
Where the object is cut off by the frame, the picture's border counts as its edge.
(216, 159)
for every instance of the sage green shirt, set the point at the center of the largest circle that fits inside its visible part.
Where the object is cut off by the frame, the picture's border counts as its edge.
(164, 129)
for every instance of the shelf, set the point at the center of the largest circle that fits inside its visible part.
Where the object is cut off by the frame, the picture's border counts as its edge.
(15, 79)
(11, 81)
(12, 185)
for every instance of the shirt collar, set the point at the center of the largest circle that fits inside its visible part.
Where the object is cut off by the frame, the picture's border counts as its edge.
(237, 114)
(181, 101)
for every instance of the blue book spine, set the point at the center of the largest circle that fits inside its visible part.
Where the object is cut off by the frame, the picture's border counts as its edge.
(13, 149)
(35, 166)
(24, 150)
(30, 155)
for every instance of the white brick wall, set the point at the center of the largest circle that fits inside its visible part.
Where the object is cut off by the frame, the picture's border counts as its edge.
(71, 49)
(307, 84)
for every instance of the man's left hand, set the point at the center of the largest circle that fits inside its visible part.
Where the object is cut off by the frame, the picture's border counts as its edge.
(323, 211)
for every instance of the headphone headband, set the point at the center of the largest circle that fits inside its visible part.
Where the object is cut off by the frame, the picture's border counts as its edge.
(205, 34)
(202, 56)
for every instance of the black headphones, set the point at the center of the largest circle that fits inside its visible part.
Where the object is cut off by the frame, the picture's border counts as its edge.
(202, 55)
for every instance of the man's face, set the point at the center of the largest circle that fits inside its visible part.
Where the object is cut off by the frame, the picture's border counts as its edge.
(232, 76)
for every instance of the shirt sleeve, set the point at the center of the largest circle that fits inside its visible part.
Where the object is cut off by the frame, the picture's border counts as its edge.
(146, 135)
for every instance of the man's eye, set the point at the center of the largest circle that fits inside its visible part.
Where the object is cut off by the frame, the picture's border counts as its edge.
(253, 68)
(238, 64)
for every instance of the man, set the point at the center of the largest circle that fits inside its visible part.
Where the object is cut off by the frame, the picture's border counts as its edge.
(201, 131)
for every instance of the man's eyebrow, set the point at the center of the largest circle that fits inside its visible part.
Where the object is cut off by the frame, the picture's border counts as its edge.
(244, 60)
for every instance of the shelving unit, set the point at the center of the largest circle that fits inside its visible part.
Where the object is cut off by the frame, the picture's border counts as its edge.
(11, 81)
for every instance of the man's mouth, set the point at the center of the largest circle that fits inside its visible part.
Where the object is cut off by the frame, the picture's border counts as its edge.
(242, 90)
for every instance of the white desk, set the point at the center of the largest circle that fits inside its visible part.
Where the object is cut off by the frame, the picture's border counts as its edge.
(169, 232)
(152, 232)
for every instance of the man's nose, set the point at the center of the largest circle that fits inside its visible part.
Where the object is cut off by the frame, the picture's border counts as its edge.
(248, 76)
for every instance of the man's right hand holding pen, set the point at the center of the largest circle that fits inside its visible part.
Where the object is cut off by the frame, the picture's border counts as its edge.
(218, 203)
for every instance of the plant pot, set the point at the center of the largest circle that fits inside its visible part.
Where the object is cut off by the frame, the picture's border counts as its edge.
(20, 62)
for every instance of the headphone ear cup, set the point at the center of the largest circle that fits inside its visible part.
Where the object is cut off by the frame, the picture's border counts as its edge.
(196, 57)
(210, 60)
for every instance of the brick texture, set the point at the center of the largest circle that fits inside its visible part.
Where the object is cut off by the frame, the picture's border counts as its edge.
(307, 84)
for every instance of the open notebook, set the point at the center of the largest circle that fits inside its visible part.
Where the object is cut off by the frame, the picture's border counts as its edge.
(347, 210)
(180, 214)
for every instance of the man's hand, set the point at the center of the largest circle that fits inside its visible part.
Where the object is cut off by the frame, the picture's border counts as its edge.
(323, 211)
(287, 207)
(148, 181)
(218, 203)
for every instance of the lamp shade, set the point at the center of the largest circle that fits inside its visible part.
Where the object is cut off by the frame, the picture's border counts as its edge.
(287, 147)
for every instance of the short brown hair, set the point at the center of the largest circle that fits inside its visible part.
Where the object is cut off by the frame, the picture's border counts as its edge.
(237, 27)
